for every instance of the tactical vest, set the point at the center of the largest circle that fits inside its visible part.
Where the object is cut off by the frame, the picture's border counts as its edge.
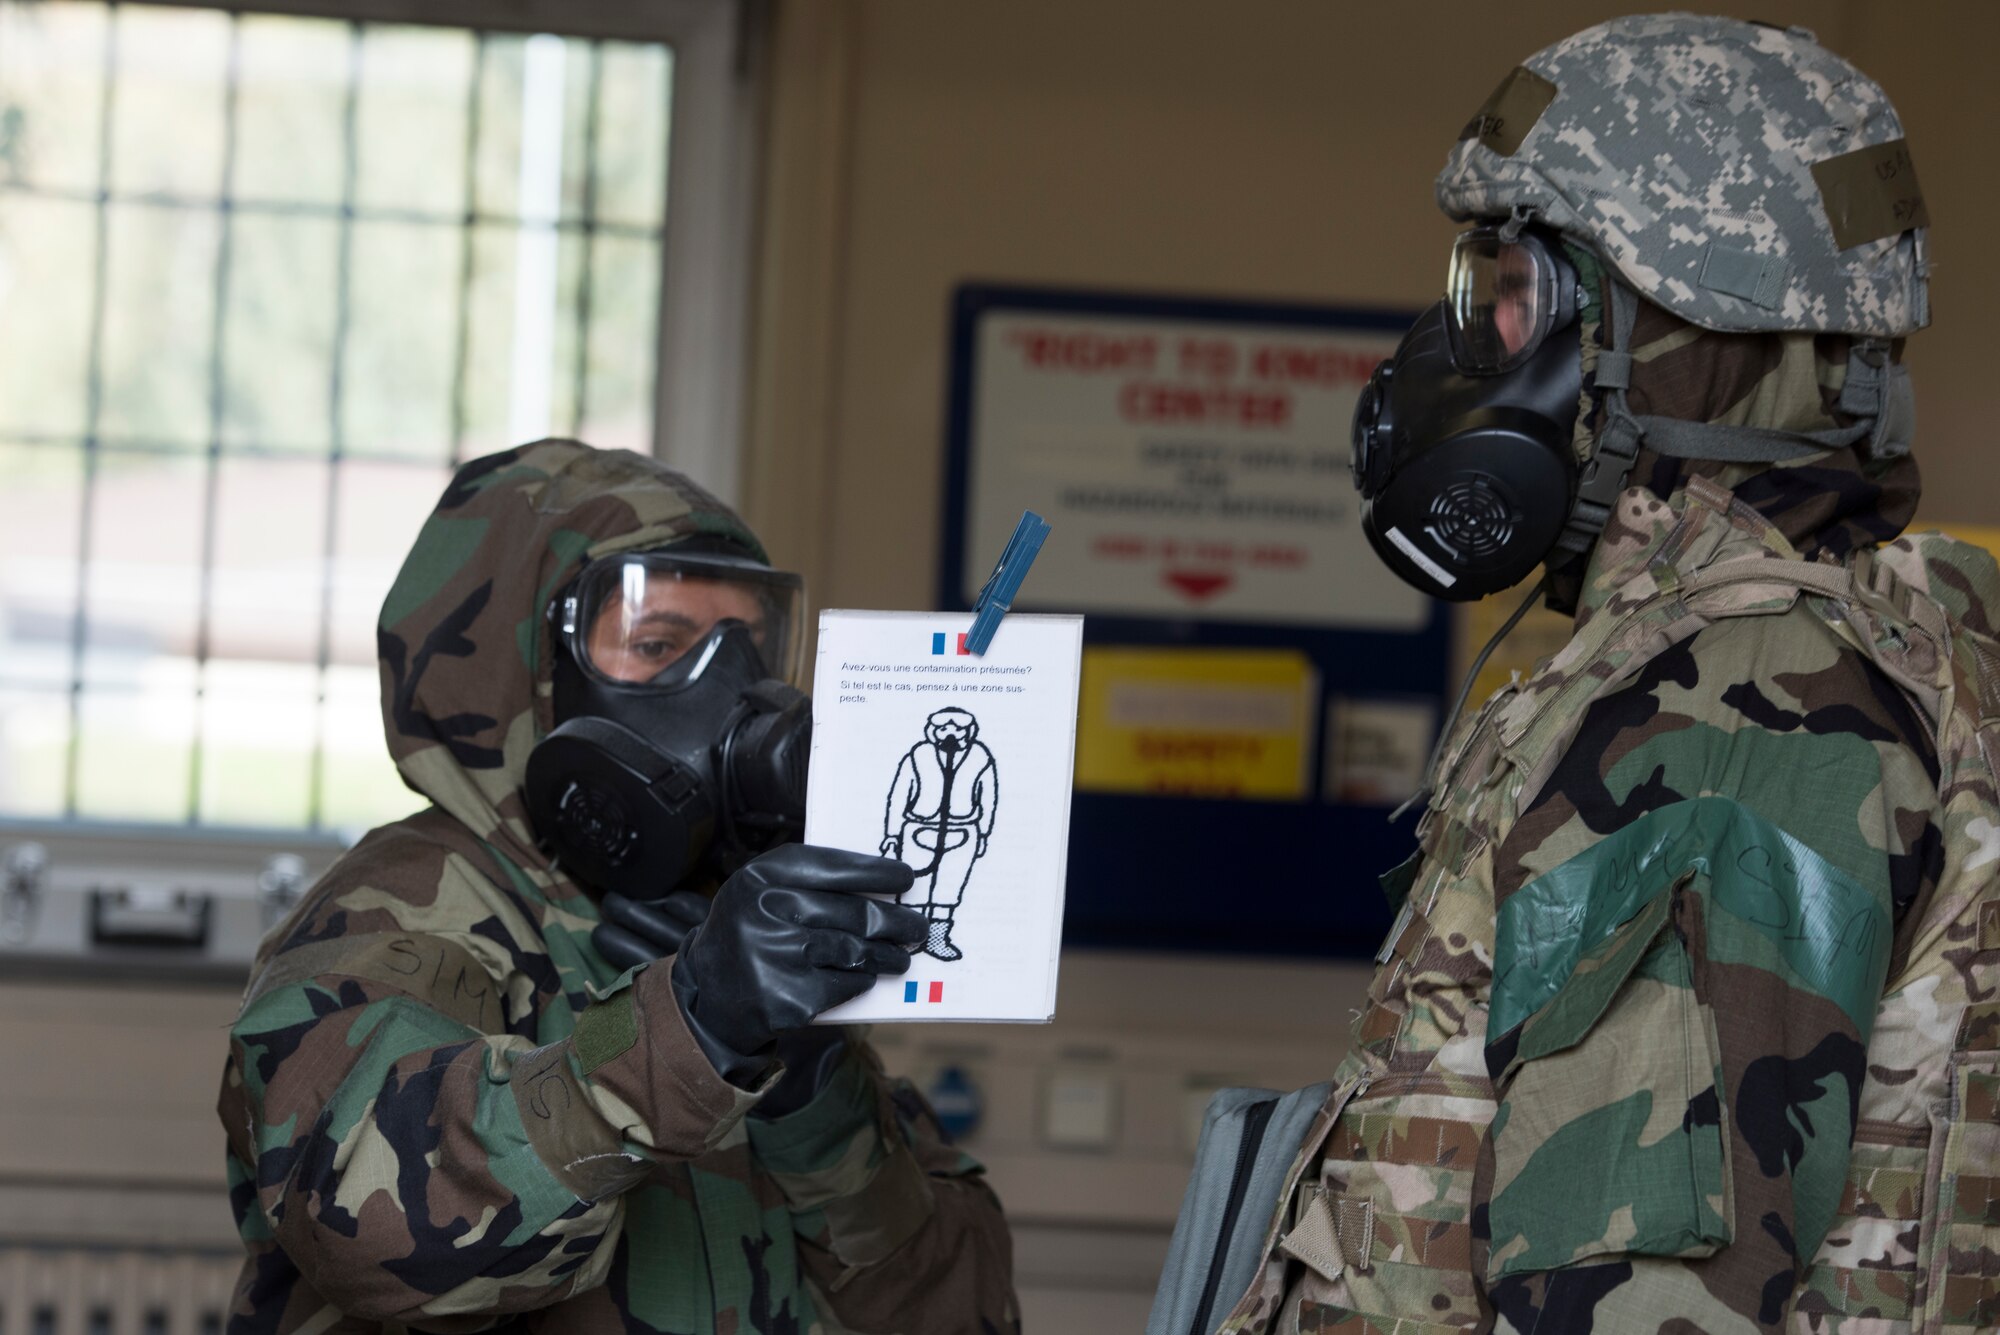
(1378, 1201)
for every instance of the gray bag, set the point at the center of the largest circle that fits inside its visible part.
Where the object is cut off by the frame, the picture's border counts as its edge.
(1248, 1141)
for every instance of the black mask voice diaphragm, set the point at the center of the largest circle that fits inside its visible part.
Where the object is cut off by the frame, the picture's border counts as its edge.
(1466, 479)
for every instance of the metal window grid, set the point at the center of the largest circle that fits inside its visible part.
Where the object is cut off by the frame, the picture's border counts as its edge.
(94, 444)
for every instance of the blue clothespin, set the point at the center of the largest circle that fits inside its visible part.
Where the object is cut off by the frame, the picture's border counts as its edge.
(1005, 581)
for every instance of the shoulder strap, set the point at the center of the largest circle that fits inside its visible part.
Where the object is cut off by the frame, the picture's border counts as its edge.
(1669, 607)
(1804, 576)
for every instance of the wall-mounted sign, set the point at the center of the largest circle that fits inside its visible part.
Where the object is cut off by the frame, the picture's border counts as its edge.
(1192, 457)
(1376, 748)
(1197, 722)
(1191, 467)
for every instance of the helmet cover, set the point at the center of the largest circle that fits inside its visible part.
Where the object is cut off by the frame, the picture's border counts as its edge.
(1739, 175)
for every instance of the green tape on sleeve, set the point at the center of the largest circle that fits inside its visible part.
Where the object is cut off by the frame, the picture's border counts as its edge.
(1774, 903)
(606, 1029)
(1575, 1010)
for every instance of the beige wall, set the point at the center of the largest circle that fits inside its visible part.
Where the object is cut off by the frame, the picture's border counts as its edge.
(1248, 148)
(1935, 59)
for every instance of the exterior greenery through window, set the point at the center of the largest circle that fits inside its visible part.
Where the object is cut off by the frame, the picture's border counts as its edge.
(262, 281)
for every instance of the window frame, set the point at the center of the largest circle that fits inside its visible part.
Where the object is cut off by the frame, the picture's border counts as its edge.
(703, 317)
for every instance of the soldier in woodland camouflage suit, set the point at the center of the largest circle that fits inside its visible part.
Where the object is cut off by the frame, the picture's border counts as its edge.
(447, 1111)
(1690, 1019)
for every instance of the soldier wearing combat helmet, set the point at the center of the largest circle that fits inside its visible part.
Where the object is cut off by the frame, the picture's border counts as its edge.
(1687, 1020)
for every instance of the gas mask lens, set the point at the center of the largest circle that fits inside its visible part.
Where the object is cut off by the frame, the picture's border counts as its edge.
(647, 617)
(1504, 297)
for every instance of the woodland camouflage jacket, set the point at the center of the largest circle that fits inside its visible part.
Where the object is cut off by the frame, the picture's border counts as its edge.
(1689, 1020)
(445, 1112)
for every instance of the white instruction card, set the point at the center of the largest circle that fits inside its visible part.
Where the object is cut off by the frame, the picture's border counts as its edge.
(961, 765)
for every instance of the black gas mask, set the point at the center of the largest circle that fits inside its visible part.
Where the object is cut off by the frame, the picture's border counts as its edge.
(1463, 440)
(680, 746)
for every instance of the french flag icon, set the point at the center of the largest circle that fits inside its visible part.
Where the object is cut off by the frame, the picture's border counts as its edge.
(912, 987)
(938, 639)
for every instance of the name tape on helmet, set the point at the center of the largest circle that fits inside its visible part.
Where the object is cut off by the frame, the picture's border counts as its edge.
(1505, 118)
(1871, 193)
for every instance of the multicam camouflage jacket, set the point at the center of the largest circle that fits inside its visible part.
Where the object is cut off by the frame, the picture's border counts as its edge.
(1690, 1021)
(446, 1112)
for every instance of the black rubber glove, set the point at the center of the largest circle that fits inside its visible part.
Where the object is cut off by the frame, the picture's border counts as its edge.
(639, 932)
(636, 932)
(792, 934)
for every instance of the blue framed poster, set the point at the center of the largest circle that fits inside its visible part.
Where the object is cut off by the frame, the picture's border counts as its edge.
(1259, 691)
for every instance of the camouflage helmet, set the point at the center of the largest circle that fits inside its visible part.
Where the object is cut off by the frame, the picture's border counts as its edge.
(1739, 175)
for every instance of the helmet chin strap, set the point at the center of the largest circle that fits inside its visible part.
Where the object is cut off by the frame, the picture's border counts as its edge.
(1876, 393)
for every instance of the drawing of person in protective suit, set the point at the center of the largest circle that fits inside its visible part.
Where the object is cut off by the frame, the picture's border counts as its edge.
(939, 817)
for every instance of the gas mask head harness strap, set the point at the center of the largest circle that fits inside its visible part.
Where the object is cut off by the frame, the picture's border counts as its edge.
(1876, 393)
(678, 750)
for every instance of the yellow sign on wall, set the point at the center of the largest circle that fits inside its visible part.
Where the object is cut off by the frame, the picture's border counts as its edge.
(1197, 722)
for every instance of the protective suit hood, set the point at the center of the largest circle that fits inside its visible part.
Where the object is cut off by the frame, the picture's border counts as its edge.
(463, 638)
(1825, 505)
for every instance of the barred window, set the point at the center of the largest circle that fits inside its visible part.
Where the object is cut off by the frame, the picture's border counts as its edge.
(263, 279)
